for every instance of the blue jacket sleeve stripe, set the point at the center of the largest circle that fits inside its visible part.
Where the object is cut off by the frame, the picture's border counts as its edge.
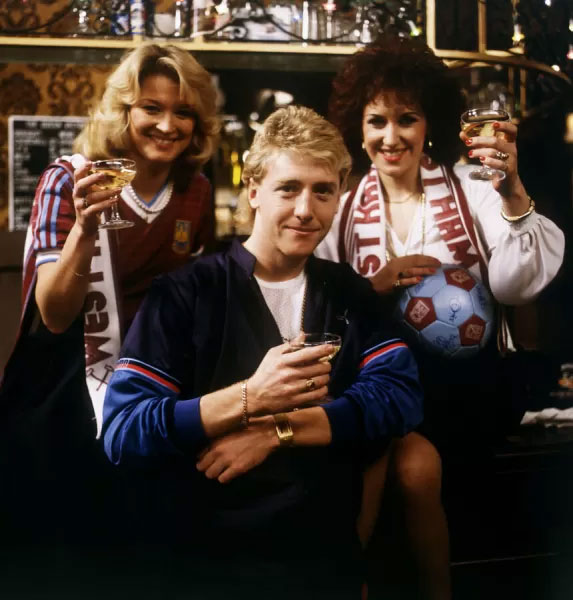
(149, 372)
(381, 345)
(144, 418)
(378, 351)
(384, 401)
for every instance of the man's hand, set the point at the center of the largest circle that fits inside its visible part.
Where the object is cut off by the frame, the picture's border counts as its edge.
(287, 379)
(403, 271)
(238, 452)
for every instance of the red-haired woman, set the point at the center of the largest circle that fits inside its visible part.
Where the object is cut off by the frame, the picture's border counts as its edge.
(398, 108)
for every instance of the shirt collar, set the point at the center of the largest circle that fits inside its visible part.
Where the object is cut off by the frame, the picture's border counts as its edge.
(247, 261)
(243, 257)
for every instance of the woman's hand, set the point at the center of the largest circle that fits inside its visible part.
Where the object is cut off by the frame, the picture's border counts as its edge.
(89, 202)
(287, 379)
(500, 152)
(403, 271)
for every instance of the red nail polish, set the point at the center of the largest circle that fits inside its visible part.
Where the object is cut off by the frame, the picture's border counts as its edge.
(470, 153)
(469, 142)
(496, 125)
(482, 158)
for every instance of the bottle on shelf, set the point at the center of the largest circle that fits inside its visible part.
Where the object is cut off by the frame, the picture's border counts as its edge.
(137, 18)
(181, 19)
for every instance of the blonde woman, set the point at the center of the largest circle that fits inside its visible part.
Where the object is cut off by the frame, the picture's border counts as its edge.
(83, 285)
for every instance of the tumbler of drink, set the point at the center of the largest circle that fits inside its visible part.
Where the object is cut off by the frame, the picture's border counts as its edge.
(119, 172)
(307, 340)
(479, 122)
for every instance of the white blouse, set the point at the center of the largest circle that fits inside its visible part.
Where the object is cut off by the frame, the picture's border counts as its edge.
(523, 256)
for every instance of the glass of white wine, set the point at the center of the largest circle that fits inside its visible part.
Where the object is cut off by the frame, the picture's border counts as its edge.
(307, 340)
(119, 172)
(479, 121)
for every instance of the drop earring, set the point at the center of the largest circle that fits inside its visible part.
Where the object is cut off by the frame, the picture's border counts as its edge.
(363, 146)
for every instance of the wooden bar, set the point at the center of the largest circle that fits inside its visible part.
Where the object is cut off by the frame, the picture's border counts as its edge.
(482, 26)
(431, 23)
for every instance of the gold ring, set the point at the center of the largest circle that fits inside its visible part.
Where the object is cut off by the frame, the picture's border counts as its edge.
(397, 283)
(310, 385)
(501, 155)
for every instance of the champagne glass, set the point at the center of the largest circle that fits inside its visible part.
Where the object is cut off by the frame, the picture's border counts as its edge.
(307, 340)
(119, 172)
(479, 121)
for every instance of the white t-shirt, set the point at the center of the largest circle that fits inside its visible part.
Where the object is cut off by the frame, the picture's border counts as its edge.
(285, 300)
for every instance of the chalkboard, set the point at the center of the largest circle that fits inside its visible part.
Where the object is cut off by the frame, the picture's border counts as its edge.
(33, 143)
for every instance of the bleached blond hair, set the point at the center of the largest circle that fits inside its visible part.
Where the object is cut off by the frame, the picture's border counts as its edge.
(107, 132)
(301, 131)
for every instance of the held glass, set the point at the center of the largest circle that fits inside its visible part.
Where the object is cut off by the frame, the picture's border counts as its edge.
(307, 340)
(119, 172)
(479, 122)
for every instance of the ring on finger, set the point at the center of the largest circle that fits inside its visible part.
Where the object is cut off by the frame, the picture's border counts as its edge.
(310, 384)
(397, 283)
(86, 205)
(501, 155)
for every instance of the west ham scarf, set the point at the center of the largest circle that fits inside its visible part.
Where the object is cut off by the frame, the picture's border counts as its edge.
(362, 239)
(102, 323)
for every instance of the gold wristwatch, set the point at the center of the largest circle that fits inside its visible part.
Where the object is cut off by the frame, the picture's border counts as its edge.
(284, 429)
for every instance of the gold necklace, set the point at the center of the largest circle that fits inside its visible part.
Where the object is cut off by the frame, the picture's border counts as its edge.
(302, 311)
(303, 307)
(401, 201)
(390, 245)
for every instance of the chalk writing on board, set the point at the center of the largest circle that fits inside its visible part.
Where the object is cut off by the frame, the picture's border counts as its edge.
(33, 143)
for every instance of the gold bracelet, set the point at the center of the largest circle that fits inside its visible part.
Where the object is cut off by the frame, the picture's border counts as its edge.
(68, 268)
(284, 429)
(520, 217)
(245, 415)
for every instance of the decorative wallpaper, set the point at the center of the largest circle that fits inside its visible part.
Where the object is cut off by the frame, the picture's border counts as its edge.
(55, 90)
(16, 15)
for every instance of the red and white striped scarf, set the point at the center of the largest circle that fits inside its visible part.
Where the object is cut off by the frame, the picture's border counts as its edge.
(362, 239)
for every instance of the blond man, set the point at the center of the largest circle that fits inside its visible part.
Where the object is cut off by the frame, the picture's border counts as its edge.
(269, 443)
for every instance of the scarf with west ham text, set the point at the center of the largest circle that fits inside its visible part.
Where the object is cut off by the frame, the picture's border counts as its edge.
(102, 323)
(362, 238)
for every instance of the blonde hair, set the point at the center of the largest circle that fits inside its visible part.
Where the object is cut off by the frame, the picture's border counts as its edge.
(107, 131)
(302, 131)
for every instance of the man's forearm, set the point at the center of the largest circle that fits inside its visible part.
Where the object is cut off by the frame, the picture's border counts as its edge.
(236, 453)
(310, 427)
(221, 411)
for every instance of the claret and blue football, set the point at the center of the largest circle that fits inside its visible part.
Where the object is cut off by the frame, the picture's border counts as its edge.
(450, 313)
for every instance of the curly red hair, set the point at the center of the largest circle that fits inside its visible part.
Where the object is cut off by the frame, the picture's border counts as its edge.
(409, 69)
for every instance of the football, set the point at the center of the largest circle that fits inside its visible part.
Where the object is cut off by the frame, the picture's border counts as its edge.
(449, 313)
